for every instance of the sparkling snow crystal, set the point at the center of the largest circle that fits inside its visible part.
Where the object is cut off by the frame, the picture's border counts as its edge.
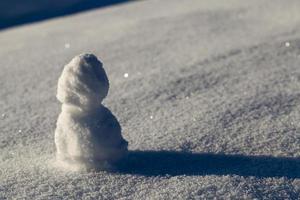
(87, 133)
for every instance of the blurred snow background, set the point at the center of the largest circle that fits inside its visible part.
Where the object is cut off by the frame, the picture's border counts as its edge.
(206, 92)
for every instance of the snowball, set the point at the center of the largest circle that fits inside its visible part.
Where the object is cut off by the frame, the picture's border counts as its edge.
(287, 44)
(87, 134)
(83, 82)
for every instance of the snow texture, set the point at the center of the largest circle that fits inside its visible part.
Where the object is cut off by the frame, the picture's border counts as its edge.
(87, 134)
(210, 106)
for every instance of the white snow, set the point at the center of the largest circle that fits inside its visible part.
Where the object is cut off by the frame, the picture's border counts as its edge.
(67, 45)
(236, 137)
(83, 83)
(87, 134)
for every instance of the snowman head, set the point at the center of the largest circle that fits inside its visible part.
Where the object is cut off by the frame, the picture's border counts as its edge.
(83, 83)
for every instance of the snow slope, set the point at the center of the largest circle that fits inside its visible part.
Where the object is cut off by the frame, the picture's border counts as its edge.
(210, 107)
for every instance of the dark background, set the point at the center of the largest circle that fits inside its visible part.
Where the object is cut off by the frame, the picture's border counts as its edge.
(17, 12)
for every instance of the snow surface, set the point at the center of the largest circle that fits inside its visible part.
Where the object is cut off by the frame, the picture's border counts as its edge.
(210, 106)
(87, 136)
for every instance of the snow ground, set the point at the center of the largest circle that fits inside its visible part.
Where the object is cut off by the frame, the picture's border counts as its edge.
(215, 80)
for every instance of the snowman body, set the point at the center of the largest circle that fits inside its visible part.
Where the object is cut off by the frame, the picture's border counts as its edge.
(87, 134)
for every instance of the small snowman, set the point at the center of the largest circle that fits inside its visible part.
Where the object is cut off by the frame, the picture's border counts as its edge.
(87, 134)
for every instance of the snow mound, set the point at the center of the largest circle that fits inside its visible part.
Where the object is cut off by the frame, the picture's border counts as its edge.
(87, 134)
